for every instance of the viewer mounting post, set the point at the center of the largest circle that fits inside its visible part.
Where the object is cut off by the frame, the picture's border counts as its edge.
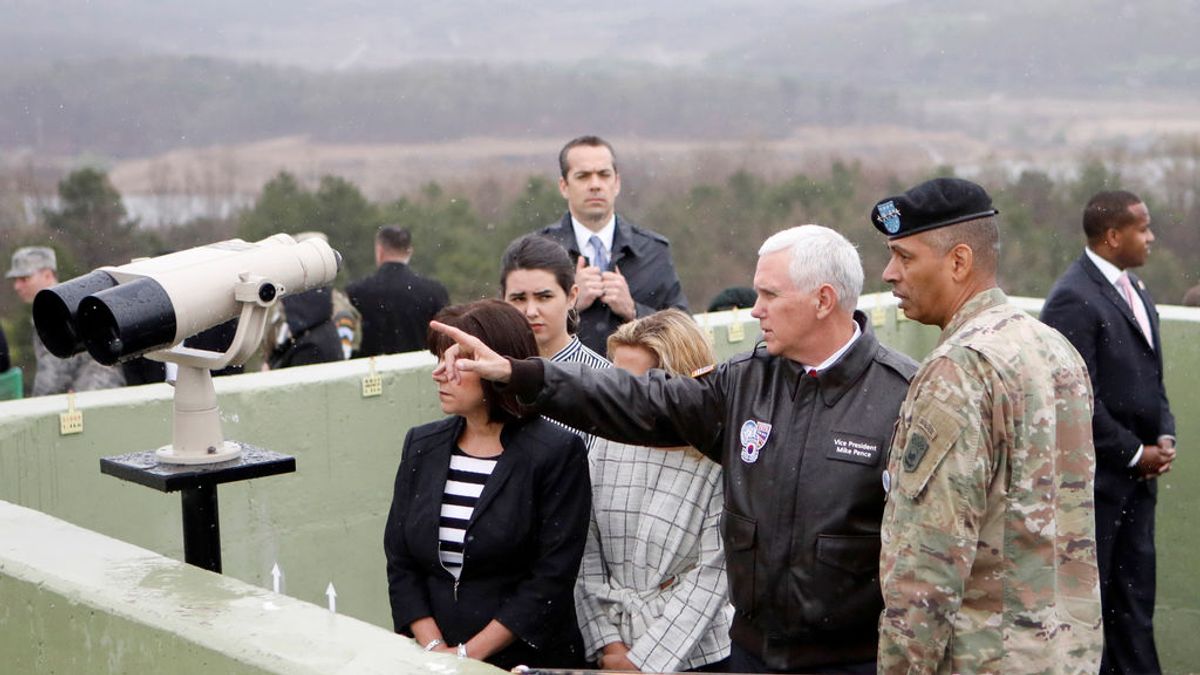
(199, 458)
(150, 305)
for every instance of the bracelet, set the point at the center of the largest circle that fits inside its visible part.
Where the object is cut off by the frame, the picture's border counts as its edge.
(433, 644)
(462, 650)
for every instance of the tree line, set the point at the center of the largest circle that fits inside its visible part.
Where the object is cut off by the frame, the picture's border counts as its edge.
(715, 226)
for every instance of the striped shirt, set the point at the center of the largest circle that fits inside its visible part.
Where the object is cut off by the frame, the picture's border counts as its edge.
(577, 352)
(464, 484)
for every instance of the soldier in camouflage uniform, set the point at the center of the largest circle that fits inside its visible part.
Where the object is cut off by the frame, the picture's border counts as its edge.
(34, 268)
(989, 553)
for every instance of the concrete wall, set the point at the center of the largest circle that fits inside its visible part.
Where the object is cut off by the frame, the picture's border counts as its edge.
(322, 524)
(74, 601)
(325, 522)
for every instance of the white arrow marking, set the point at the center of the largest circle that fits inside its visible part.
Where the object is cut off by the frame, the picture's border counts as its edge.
(276, 575)
(332, 595)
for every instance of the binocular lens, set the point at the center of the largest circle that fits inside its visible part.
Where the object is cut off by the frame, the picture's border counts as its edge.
(127, 321)
(55, 311)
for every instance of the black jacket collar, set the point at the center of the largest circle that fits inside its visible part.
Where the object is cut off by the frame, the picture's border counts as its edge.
(839, 378)
(393, 266)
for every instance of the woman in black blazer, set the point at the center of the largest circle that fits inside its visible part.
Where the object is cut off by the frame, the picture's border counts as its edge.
(488, 574)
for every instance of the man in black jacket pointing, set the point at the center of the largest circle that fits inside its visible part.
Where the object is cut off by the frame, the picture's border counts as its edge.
(801, 426)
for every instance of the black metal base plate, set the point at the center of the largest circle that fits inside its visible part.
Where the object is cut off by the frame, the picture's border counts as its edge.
(144, 468)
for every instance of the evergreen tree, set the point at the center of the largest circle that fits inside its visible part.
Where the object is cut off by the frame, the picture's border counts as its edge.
(283, 206)
(337, 209)
(89, 228)
(349, 220)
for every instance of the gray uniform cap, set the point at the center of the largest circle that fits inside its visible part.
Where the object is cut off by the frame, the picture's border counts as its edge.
(31, 259)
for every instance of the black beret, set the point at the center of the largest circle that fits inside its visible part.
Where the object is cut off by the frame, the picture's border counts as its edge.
(930, 205)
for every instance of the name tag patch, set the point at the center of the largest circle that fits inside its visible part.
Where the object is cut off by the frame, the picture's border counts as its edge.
(854, 448)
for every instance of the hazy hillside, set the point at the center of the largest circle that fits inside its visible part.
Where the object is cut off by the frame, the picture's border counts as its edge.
(1019, 46)
(134, 107)
(121, 78)
(1016, 46)
(336, 34)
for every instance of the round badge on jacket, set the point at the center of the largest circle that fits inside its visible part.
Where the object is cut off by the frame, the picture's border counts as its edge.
(753, 437)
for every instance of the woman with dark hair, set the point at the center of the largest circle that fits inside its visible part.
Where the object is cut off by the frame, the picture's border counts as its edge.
(537, 277)
(489, 516)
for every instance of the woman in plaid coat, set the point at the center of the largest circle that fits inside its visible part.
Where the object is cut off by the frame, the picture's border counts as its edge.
(652, 593)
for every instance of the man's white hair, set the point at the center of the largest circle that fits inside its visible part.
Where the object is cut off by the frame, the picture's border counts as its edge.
(820, 256)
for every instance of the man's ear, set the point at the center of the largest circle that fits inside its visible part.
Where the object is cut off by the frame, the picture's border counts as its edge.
(962, 261)
(1112, 238)
(827, 300)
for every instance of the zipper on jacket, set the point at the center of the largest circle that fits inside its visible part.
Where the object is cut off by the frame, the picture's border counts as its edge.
(460, 571)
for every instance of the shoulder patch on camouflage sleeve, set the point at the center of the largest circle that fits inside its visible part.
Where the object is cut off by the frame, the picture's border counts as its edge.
(934, 431)
(914, 452)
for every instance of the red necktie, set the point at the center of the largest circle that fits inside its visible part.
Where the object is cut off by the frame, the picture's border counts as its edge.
(1135, 304)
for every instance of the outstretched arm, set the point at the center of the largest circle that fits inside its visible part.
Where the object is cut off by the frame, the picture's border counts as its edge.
(469, 354)
(655, 409)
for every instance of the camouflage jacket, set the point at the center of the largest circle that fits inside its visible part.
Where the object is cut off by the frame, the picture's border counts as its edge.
(989, 551)
(77, 373)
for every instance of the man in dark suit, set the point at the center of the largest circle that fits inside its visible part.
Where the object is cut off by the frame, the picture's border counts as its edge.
(396, 304)
(1107, 314)
(622, 270)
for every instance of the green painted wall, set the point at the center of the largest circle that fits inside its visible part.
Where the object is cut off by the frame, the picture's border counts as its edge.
(325, 522)
(73, 601)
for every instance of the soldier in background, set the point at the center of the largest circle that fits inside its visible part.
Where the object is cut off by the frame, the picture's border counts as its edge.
(305, 333)
(308, 328)
(33, 269)
(989, 548)
(348, 321)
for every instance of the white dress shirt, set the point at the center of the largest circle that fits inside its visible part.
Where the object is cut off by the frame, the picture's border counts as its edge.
(583, 234)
